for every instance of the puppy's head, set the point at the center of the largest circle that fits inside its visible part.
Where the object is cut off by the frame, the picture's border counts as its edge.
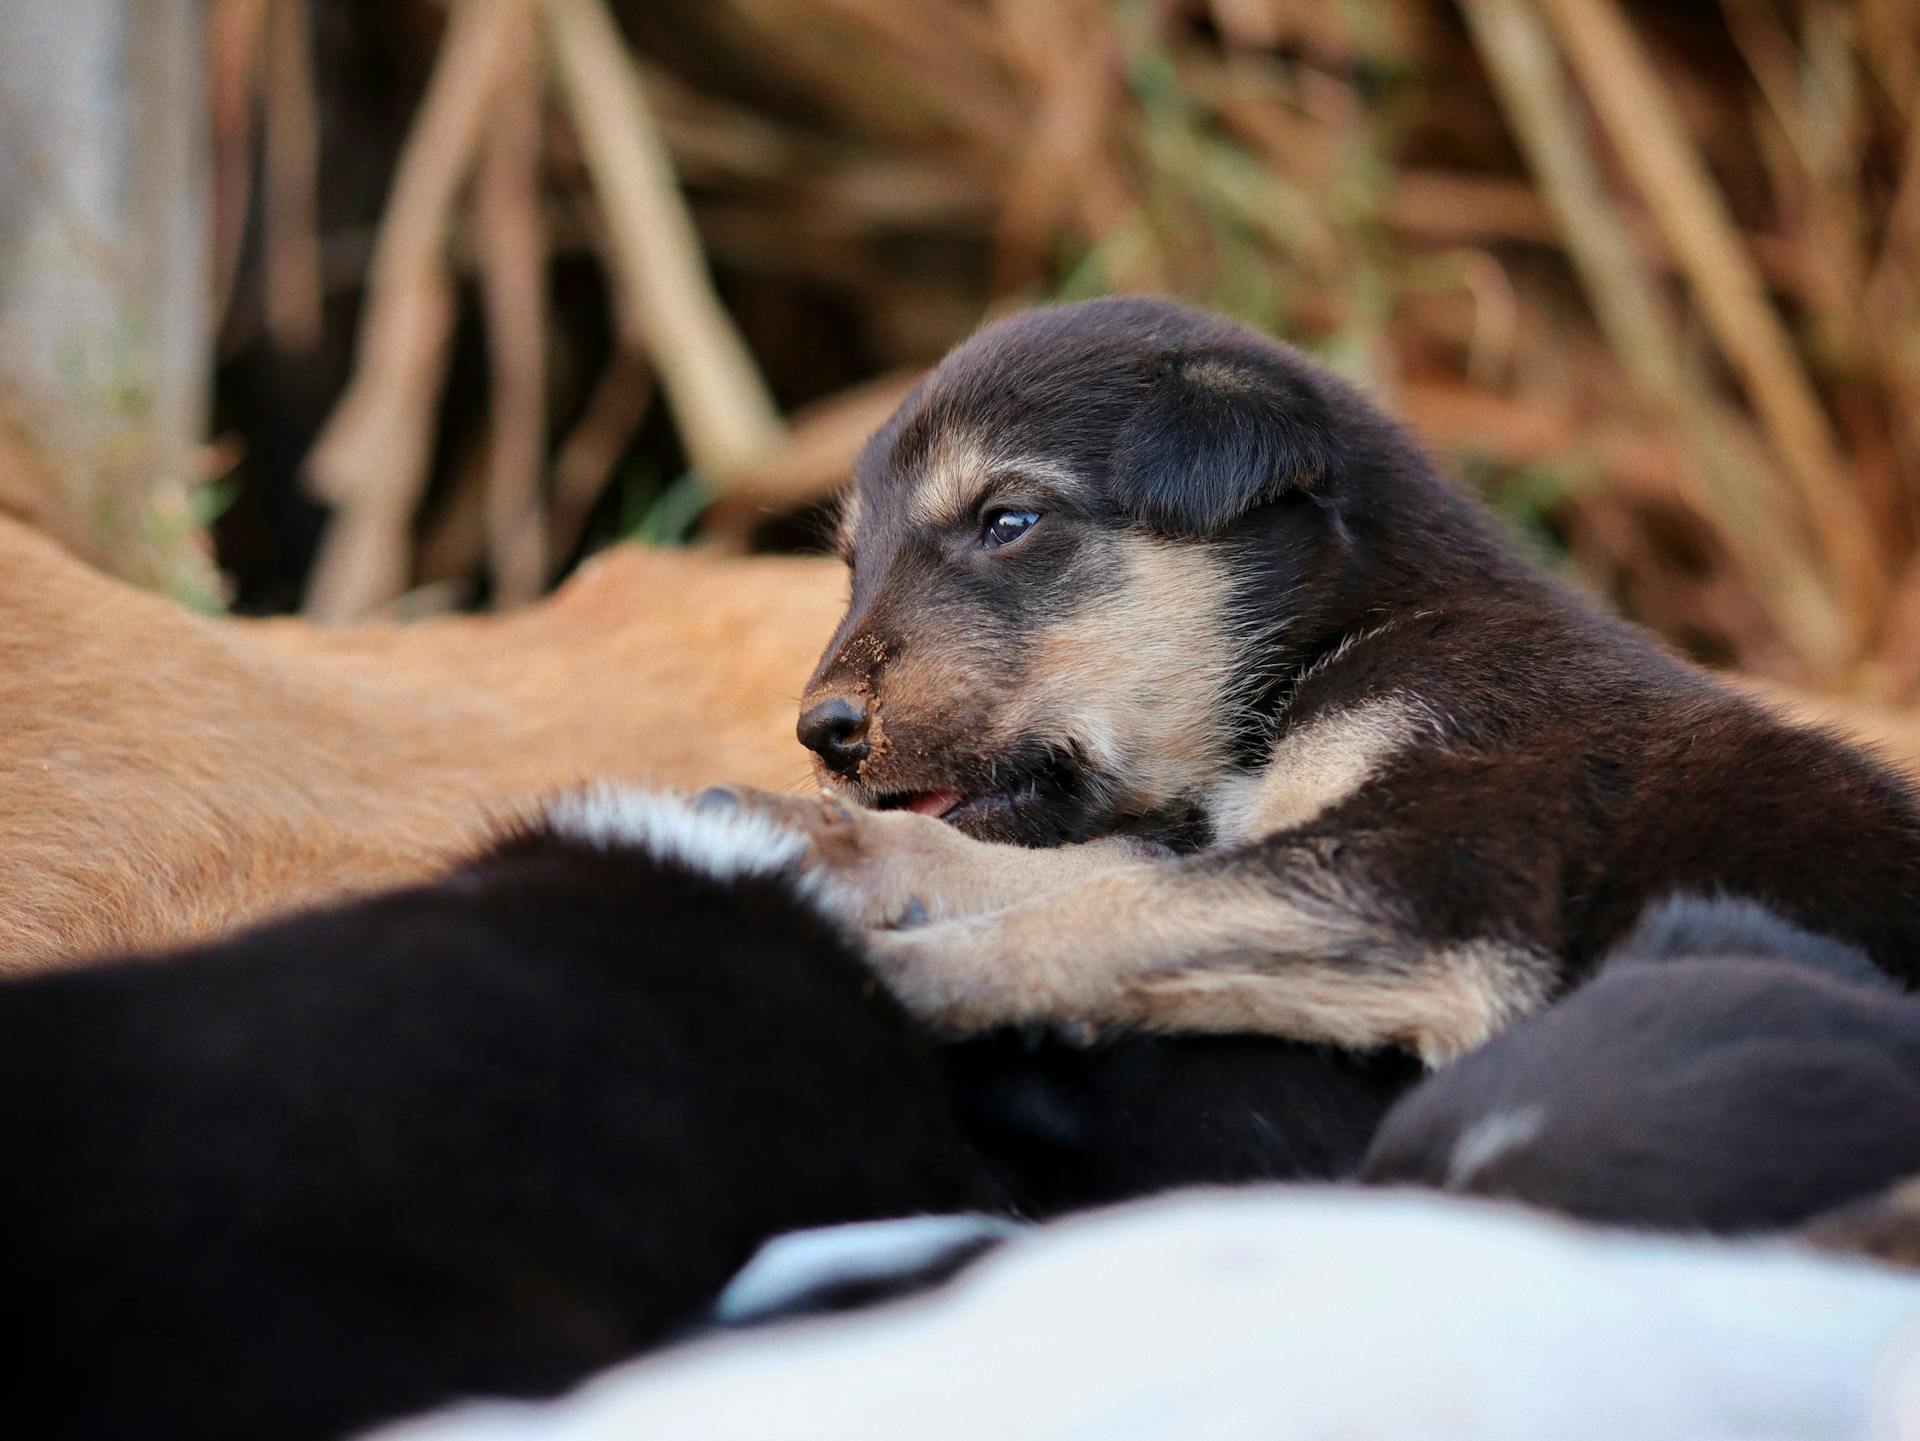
(1065, 546)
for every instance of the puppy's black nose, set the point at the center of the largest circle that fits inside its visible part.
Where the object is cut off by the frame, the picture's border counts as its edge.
(836, 731)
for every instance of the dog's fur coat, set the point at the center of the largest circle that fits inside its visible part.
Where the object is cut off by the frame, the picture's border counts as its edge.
(1305, 745)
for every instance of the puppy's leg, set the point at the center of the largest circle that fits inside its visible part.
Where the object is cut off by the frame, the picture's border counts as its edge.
(1286, 938)
(895, 867)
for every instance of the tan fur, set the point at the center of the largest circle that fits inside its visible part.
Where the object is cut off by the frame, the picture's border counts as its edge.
(956, 471)
(849, 522)
(1443, 1006)
(1136, 677)
(891, 861)
(165, 775)
(1199, 947)
(1885, 1227)
(960, 472)
(1315, 768)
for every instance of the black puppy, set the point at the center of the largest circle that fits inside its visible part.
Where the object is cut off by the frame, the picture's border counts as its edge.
(488, 1135)
(1765, 1077)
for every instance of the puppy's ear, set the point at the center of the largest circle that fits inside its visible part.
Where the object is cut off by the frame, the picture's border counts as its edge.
(1215, 436)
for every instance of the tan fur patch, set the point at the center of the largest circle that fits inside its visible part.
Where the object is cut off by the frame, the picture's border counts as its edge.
(1441, 1006)
(1168, 948)
(848, 525)
(1138, 678)
(1885, 1227)
(884, 861)
(1315, 768)
(961, 469)
(1219, 377)
(165, 775)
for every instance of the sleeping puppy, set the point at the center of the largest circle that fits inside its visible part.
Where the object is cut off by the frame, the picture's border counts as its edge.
(486, 1135)
(1747, 1082)
(1177, 689)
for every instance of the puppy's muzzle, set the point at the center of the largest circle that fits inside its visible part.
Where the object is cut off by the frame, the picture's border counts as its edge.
(836, 731)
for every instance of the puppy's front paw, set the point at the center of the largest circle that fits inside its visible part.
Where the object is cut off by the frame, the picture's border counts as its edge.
(889, 868)
(878, 873)
(963, 974)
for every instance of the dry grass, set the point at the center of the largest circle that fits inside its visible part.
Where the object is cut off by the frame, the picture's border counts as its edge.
(1652, 279)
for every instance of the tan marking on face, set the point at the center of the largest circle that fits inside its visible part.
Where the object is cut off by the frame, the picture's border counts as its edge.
(956, 470)
(961, 470)
(848, 524)
(1138, 677)
(1313, 769)
(920, 700)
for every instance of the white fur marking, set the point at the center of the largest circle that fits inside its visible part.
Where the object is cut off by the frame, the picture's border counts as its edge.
(1488, 1139)
(789, 1268)
(722, 844)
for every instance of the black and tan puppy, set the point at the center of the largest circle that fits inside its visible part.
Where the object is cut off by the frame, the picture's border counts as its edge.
(1179, 689)
(1723, 1072)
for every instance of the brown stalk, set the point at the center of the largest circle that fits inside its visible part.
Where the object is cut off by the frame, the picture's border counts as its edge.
(513, 292)
(291, 191)
(584, 465)
(724, 412)
(371, 460)
(1533, 90)
(1652, 142)
(233, 54)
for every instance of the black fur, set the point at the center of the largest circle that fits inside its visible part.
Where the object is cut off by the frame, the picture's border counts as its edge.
(1747, 1087)
(488, 1135)
(1065, 1127)
(1214, 437)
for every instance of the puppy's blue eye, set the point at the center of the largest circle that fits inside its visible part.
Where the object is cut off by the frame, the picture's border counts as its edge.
(1004, 527)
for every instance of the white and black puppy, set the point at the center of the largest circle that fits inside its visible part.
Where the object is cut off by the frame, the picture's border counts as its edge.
(1177, 688)
(487, 1135)
(1724, 1071)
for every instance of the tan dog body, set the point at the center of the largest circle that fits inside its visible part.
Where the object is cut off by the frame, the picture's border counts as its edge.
(164, 775)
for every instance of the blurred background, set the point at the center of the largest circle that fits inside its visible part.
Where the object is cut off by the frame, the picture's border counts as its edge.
(378, 307)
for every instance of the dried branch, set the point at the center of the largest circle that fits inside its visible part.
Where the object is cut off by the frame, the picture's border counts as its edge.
(371, 460)
(1652, 142)
(233, 53)
(726, 417)
(1534, 92)
(513, 289)
(584, 465)
(816, 461)
(291, 166)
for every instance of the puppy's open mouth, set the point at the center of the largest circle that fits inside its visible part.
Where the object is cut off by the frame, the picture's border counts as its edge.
(944, 805)
(1028, 797)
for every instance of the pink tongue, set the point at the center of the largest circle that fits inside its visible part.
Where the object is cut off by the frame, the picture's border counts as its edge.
(934, 803)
